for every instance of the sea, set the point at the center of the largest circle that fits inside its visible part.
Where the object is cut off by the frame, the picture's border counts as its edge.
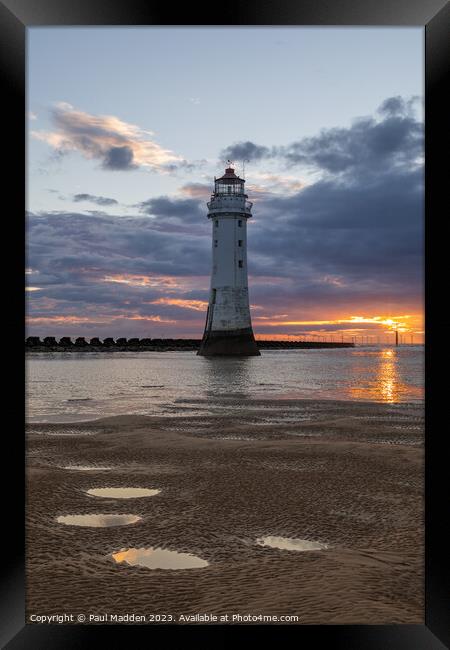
(70, 387)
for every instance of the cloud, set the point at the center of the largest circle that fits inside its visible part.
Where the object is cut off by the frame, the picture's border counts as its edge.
(393, 139)
(182, 215)
(119, 158)
(267, 184)
(369, 144)
(398, 106)
(100, 200)
(353, 236)
(117, 144)
(73, 250)
(184, 166)
(197, 190)
(245, 151)
(371, 234)
(196, 305)
(167, 207)
(111, 272)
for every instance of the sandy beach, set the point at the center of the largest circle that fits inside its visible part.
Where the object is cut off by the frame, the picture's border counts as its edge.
(347, 475)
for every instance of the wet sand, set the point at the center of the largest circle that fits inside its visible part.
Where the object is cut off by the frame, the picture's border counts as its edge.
(343, 474)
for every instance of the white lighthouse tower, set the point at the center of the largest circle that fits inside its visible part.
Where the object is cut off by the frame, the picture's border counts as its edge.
(228, 328)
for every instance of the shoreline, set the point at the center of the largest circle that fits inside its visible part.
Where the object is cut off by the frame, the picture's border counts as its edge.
(346, 474)
(264, 402)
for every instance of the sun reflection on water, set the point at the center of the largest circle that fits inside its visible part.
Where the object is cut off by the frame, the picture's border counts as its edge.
(388, 379)
(386, 385)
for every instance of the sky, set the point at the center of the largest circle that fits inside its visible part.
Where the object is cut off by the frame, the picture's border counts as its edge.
(126, 129)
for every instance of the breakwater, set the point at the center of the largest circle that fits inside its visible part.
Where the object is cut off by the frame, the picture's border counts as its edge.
(80, 344)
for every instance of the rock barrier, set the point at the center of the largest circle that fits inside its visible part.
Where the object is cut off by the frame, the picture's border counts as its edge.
(80, 344)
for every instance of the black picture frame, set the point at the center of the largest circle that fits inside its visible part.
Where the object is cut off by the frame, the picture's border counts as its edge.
(15, 17)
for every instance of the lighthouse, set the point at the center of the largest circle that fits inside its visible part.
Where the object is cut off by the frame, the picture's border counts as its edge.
(228, 328)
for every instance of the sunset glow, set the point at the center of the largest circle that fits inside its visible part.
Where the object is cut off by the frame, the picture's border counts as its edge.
(196, 305)
(142, 280)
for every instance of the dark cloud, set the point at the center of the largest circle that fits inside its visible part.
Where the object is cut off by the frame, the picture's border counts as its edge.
(398, 106)
(118, 158)
(367, 234)
(367, 145)
(91, 198)
(245, 151)
(164, 206)
(110, 267)
(395, 139)
(176, 215)
(73, 245)
(354, 235)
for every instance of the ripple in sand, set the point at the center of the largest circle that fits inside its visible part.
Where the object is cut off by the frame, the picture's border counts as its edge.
(158, 558)
(290, 544)
(98, 521)
(85, 468)
(80, 399)
(122, 492)
(62, 432)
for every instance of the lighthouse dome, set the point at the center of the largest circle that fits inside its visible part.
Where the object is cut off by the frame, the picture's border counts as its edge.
(230, 175)
(229, 183)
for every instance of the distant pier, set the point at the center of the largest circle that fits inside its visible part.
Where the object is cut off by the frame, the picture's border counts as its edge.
(80, 344)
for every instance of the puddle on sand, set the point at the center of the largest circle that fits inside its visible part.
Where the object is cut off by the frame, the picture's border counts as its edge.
(122, 492)
(85, 468)
(158, 558)
(290, 543)
(98, 521)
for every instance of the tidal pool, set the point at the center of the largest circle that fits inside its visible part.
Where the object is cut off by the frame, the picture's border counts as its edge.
(122, 492)
(97, 520)
(158, 558)
(290, 543)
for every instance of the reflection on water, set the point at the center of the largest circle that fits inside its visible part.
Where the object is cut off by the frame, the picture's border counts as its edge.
(387, 382)
(118, 383)
(290, 543)
(157, 558)
(98, 521)
(388, 378)
(122, 492)
(227, 377)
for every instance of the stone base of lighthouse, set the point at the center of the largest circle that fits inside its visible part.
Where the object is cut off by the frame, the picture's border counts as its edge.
(229, 343)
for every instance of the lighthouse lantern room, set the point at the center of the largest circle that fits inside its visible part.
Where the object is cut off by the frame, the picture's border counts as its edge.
(228, 328)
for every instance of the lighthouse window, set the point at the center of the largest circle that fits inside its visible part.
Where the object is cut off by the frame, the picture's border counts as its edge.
(216, 223)
(240, 242)
(240, 223)
(240, 264)
(215, 243)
